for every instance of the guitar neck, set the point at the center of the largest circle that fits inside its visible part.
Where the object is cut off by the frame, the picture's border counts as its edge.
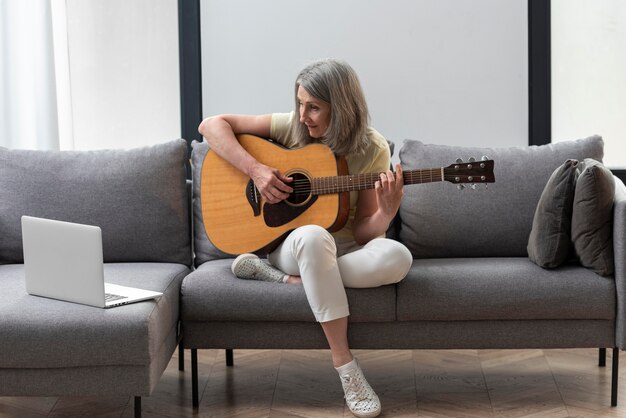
(349, 183)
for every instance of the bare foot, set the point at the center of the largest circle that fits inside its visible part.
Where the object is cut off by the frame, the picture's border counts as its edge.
(294, 280)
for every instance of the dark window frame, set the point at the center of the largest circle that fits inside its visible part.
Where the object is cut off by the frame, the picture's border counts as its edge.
(190, 67)
(539, 70)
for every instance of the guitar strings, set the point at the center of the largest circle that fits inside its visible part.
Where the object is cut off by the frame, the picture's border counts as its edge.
(303, 186)
(360, 179)
(337, 184)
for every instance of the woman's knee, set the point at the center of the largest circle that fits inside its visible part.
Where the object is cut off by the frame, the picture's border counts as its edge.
(380, 262)
(397, 257)
(313, 238)
(404, 259)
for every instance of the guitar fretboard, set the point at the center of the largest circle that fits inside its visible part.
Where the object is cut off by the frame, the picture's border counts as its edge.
(349, 183)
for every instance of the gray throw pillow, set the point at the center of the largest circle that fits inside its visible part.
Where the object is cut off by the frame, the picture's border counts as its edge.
(592, 217)
(549, 242)
(204, 249)
(137, 196)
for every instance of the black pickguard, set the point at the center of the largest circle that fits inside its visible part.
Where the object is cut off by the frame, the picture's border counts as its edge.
(281, 213)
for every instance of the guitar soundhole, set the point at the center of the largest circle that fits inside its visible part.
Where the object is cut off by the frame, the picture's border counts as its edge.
(301, 185)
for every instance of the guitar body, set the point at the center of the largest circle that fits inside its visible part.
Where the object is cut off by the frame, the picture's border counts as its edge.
(237, 220)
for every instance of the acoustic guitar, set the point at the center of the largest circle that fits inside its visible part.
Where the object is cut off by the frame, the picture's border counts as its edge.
(237, 220)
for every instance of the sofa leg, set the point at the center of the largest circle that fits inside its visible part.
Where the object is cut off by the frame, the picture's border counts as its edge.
(181, 356)
(614, 376)
(602, 357)
(194, 377)
(137, 406)
(229, 357)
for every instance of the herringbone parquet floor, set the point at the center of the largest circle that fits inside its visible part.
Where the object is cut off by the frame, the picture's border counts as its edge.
(419, 383)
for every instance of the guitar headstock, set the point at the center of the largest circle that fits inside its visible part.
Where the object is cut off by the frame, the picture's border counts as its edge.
(470, 172)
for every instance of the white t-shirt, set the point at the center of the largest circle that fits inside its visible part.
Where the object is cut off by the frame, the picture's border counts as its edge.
(375, 159)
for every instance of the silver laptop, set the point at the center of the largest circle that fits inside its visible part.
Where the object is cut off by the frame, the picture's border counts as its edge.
(63, 260)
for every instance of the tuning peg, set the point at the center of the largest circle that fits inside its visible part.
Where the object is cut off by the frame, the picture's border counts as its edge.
(460, 186)
(484, 158)
(471, 159)
(459, 161)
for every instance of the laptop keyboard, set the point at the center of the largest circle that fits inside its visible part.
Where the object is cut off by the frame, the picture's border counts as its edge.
(109, 297)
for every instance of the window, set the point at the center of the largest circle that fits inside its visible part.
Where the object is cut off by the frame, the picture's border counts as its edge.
(588, 67)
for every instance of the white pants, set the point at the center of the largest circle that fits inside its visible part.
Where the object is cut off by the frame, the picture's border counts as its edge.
(326, 267)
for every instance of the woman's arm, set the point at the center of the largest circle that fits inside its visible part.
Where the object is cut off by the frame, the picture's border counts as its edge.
(219, 131)
(376, 207)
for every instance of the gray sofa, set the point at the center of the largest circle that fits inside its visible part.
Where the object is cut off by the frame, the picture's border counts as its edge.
(471, 285)
(140, 199)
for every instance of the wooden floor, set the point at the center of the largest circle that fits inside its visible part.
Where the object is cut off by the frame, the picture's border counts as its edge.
(421, 383)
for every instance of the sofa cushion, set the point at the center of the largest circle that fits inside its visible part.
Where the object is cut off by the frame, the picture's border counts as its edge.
(39, 332)
(213, 293)
(137, 196)
(204, 250)
(502, 288)
(439, 221)
(592, 218)
(549, 243)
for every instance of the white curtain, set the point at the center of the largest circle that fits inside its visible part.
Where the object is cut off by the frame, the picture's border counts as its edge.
(28, 103)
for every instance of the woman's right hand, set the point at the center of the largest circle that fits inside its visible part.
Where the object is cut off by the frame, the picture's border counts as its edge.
(270, 182)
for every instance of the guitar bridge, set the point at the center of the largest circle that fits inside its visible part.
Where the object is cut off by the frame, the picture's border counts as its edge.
(254, 198)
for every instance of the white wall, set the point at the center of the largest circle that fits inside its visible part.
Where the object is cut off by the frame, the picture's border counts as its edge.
(589, 73)
(124, 77)
(448, 72)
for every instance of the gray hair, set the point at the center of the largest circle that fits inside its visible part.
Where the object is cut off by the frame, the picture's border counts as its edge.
(336, 83)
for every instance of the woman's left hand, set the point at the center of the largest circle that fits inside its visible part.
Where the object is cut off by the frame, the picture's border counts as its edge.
(376, 208)
(389, 191)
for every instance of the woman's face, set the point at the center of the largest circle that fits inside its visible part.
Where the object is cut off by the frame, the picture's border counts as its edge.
(314, 113)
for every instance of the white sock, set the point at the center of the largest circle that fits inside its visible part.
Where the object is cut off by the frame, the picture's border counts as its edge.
(347, 367)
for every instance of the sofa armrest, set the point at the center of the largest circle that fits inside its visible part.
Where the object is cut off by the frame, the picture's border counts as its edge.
(619, 248)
